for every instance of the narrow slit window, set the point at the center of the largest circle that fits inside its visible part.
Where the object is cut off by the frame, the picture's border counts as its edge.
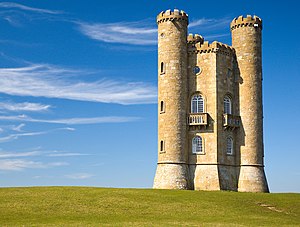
(161, 146)
(162, 67)
(162, 107)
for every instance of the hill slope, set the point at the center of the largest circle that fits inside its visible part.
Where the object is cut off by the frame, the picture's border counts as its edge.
(83, 206)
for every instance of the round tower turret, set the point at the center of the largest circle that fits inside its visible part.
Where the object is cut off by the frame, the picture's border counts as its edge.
(247, 42)
(172, 168)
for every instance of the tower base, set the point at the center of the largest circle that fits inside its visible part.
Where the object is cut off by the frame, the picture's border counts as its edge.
(205, 177)
(252, 179)
(171, 176)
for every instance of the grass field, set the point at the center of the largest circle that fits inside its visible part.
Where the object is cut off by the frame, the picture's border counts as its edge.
(85, 206)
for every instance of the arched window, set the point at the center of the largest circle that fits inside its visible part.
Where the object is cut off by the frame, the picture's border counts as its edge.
(229, 149)
(227, 105)
(162, 67)
(197, 145)
(197, 104)
(162, 106)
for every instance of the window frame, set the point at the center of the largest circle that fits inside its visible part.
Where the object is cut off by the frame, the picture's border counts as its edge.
(198, 103)
(227, 103)
(195, 146)
(229, 141)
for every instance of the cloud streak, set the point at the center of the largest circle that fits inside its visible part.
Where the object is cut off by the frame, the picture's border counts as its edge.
(25, 106)
(21, 164)
(134, 33)
(13, 5)
(42, 80)
(27, 134)
(71, 121)
(20, 154)
(79, 176)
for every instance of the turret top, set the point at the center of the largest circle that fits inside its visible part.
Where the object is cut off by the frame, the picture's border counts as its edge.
(169, 15)
(242, 21)
(193, 39)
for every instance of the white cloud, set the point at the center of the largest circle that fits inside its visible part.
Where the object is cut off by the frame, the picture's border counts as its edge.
(25, 106)
(17, 135)
(66, 154)
(18, 128)
(135, 33)
(42, 80)
(79, 176)
(71, 121)
(17, 155)
(21, 164)
(143, 32)
(210, 23)
(13, 5)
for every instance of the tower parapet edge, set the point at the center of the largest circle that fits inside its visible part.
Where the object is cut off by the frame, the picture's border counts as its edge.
(242, 21)
(214, 47)
(169, 15)
(193, 39)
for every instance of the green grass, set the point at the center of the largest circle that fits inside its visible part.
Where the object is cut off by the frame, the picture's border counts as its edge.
(85, 206)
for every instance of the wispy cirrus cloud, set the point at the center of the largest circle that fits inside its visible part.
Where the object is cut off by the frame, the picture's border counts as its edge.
(210, 28)
(41, 80)
(72, 121)
(135, 33)
(25, 106)
(145, 33)
(27, 134)
(16, 14)
(79, 176)
(66, 154)
(13, 5)
(4, 154)
(22, 164)
(140, 33)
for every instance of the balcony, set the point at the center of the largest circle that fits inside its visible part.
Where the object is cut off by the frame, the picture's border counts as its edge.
(231, 121)
(197, 119)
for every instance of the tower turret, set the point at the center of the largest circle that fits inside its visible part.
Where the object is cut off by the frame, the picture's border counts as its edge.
(246, 40)
(172, 168)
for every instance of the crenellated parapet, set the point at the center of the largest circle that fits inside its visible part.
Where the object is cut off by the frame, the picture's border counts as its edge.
(193, 39)
(248, 21)
(169, 15)
(214, 47)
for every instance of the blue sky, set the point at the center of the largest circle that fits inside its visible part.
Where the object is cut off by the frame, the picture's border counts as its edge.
(78, 83)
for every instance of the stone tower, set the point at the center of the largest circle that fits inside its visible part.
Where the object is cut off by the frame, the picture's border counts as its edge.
(246, 40)
(172, 169)
(210, 134)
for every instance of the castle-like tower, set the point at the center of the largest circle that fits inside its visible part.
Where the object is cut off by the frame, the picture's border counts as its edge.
(210, 122)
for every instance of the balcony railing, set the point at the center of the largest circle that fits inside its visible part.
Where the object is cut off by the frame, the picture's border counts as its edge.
(197, 119)
(231, 121)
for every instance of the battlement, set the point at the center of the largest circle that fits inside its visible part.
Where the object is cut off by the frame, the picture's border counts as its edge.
(248, 21)
(193, 39)
(214, 47)
(169, 15)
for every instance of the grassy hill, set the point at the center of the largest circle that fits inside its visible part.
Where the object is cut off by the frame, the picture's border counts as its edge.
(85, 206)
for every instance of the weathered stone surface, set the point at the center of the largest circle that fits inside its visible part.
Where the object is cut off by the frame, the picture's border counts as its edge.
(234, 72)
